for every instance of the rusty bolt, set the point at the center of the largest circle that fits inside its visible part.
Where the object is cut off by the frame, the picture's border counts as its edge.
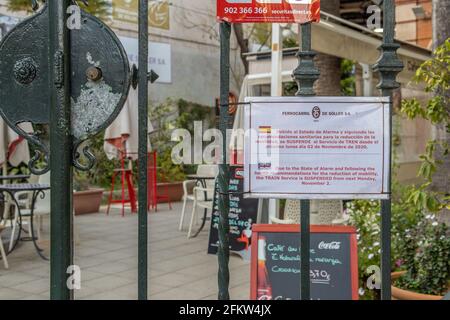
(94, 73)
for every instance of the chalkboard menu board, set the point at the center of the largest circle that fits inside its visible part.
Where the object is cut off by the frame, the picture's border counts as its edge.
(275, 272)
(243, 214)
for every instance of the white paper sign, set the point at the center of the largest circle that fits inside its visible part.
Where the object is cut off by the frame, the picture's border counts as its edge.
(317, 148)
(159, 58)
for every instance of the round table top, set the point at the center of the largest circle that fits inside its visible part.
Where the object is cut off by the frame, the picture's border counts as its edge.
(24, 187)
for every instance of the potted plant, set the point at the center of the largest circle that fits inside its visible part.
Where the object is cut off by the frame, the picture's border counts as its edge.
(424, 272)
(85, 198)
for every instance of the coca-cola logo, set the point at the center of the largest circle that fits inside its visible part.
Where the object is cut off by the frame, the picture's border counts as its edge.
(334, 245)
(239, 173)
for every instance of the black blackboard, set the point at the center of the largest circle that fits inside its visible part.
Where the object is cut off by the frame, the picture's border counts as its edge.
(276, 263)
(243, 214)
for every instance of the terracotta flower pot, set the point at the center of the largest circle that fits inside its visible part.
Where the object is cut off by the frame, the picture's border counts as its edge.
(173, 189)
(401, 294)
(88, 201)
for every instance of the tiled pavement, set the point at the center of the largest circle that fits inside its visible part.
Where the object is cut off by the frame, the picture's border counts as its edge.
(107, 255)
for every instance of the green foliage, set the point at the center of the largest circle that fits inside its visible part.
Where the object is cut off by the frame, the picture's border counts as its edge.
(290, 88)
(420, 245)
(426, 257)
(101, 174)
(348, 77)
(170, 115)
(365, 216)
(435, 75)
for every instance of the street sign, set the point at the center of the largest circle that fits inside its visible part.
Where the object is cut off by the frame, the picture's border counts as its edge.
(159, 60)
(269, 11)
(317, 147)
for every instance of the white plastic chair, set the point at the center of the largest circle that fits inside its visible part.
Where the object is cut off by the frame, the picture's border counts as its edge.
(2, 249)
(322, 212)
(201, 202)
(206, 170)
(41, 209)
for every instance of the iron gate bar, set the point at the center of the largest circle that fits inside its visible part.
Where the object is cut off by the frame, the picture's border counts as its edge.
(388, 65)
(61, 251)
(223, 178)
(143, 151)
(305, 75)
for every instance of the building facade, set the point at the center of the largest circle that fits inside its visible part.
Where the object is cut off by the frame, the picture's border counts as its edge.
(184, 46)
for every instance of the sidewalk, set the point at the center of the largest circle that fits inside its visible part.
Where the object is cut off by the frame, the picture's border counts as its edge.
(107, 255)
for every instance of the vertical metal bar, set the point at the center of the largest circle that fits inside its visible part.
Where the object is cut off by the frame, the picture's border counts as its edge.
(305, 75)
(388, 65)
(223, 178)
(61, 151)
(304, 250)
(143, 150)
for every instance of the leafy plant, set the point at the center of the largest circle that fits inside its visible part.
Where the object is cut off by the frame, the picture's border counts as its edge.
(435, 75)
(365, 216)
(348, 77)
(170, 115)
(81, 181)
(420, 244)
(426, 257)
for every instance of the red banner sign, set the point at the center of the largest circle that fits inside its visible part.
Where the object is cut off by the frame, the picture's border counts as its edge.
(270, 11)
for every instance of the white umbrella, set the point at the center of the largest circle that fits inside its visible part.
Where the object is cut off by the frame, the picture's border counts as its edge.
(122, 134)
(13, 148)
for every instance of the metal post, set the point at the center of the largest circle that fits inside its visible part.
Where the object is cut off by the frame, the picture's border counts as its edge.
(143, 150)
(61, 151)
(388, 65)
(276, 90)
(305, 75)
(223, 178)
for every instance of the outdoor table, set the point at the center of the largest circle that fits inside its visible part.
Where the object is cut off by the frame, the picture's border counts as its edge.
(37, 190)
(12, 178)
(202, 181)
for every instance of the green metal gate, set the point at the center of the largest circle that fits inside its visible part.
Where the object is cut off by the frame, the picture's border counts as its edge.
(388, 65)
(55, 77)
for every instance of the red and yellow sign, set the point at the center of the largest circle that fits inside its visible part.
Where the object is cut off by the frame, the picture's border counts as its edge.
(269, 11)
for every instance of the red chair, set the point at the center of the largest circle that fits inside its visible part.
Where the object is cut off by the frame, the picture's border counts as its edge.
(152, 193)
(126, 175)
